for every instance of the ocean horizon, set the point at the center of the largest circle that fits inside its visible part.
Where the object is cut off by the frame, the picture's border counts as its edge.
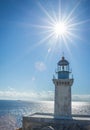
(12, 111)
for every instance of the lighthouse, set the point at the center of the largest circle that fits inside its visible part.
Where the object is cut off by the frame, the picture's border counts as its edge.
(63, 83)
(62, 110)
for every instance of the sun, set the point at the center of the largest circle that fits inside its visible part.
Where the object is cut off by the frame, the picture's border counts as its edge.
(60, 28)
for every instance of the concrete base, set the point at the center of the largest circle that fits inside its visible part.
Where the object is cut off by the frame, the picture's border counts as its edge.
(37, 120)
(63, 117)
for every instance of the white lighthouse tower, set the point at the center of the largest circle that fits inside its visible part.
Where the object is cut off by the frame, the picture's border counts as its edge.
(63, 83)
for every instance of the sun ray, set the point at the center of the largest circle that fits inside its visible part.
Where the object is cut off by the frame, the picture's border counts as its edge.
(51, 52)
(72, 12)
(60, 10)
(79, 23)
(74, 36)
(66, 44)
(45, 39)
(46, 12)
(61, 29)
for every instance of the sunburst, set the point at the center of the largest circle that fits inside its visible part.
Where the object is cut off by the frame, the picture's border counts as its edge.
(63, 29)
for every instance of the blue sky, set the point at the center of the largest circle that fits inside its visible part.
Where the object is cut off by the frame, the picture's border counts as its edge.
(29, 52)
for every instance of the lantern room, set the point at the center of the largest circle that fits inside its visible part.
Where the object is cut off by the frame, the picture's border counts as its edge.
(63, 69)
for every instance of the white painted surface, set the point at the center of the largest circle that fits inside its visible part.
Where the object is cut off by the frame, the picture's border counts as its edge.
(62, 106)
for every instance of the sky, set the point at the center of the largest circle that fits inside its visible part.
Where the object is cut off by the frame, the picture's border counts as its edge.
(30, 48)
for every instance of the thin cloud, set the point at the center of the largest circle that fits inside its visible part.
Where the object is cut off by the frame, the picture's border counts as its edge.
(81, 97)
(13, 94)
(40, 66)
(18, 95)
(43, 95)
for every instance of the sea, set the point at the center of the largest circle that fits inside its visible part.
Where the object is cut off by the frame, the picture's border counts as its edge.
(12, 111)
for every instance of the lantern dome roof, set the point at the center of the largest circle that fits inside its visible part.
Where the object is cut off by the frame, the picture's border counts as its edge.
(63, 62)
